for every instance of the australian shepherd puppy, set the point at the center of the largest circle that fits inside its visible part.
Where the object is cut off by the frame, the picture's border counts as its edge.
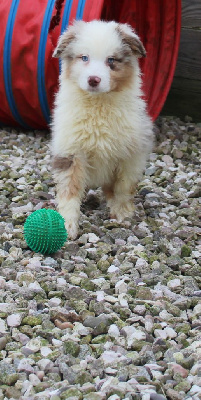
(101, 133)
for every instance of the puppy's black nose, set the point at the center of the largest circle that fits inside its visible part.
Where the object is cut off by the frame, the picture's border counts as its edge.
(93, 81)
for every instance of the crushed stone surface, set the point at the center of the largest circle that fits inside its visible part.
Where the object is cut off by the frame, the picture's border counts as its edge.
(115, 314)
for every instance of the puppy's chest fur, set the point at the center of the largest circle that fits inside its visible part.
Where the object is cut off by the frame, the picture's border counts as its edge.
(106, 138)
(105, 132)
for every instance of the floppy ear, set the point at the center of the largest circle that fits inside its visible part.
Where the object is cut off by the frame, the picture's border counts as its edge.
(64, 47)
(131, 39)
(63, 43)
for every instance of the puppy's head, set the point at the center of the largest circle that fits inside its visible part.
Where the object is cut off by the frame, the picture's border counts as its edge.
(99, 56)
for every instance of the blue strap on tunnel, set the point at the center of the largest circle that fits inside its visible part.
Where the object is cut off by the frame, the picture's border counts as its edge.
(66, 15)
(42, 94)
(67, 10)
(7, 64)
(80, 9)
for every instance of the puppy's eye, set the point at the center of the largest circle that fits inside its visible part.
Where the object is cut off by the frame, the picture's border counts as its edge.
(85, 58)
(110, 60)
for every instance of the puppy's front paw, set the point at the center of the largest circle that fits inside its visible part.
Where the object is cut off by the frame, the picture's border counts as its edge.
(72, 229)
(122, 211)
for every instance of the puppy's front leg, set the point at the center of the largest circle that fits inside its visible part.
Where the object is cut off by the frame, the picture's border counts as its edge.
(120, 198)
(121, 191)
(69, 175)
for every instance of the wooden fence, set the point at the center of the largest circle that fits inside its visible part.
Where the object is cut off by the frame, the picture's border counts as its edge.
(185, 95)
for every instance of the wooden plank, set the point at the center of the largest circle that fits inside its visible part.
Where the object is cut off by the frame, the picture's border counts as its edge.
(189, 58)
(184, 99)
(185, 95)
(191, 13)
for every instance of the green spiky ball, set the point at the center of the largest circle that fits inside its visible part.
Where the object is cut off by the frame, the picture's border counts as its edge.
(44, 231)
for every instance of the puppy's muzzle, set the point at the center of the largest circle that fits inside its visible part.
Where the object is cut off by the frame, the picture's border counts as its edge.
(93, 81)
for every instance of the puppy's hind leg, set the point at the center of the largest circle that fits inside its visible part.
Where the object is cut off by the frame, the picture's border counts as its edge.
(69, 174)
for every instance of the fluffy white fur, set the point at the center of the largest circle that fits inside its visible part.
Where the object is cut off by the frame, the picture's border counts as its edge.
(101, 133)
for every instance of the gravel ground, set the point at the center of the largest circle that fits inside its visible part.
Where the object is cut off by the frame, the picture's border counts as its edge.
(115, 314)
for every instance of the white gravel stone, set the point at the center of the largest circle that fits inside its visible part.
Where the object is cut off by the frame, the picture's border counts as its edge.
(35, 287)
(174, 283)
(81, 329)
(197, 310)
(40, 375)
(27, 388)
(49, 261)
(150, 171)
(133, 334)
(45, 364)
(111, 357)
(100, 295)
(3, 326)
(195, 390)
(196, 254)
(26, 365)
(195, 368)
(92, 238)
(91, 251)
(122, 300)
(23, 209)
(56, 342)
(149, 323)
(101, 283)
(2, 283)
(61, 282)
(14, 320)
(34, 380)
(128, 330)
(121, 287)
(165, 315)
(3, 253)
(111, 299)
(113, 331)
(141, 263)
(45, 351)
(138, 335)
(168, 160)
(140, 309)
(110, 371)
(12, 286)
(54, 302)
(112, 269)
(160, 333)
(195, 345)
(153, 367)
(24, 339)
(120, 242)
(34, 263)
(114, 397)
(156, 375)
(116, 262)
(132, 240)
(146, 396)
(170, 332)
(21, 180)
(34, 345)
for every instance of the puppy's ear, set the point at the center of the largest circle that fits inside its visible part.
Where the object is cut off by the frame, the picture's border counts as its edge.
(131, 39)
(63, 43)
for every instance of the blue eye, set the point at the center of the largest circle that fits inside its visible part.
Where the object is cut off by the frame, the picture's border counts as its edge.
(85, 58)
(110, 60)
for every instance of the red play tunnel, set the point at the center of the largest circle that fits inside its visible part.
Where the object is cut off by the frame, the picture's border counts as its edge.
(30, 30)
